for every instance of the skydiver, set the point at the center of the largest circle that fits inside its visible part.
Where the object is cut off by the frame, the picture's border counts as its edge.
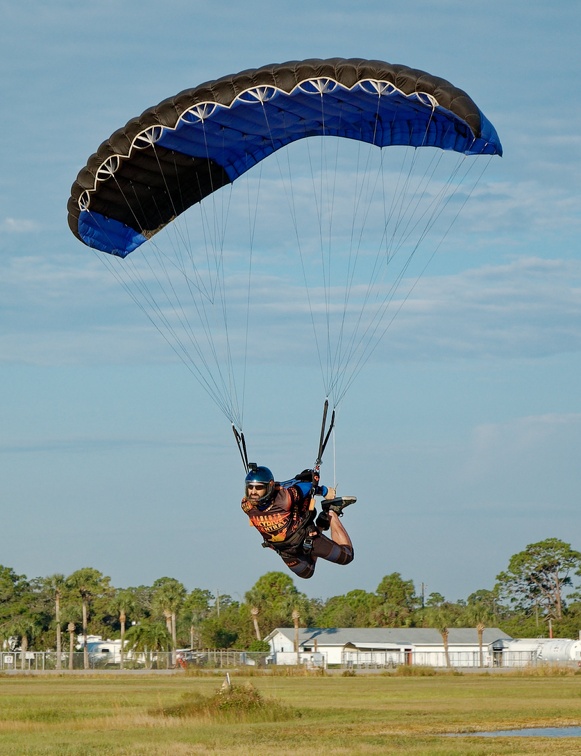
(284, 515)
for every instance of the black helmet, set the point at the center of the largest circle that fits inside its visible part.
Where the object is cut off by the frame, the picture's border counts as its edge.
(260, 476)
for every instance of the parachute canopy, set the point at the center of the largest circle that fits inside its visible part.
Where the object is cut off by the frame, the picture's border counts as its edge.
(180, 151)
(345, 215)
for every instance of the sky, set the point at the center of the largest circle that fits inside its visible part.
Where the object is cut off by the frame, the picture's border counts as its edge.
(460, 438)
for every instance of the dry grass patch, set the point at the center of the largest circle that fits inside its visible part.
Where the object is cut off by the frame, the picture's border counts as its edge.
(238, 703)
(418, 671)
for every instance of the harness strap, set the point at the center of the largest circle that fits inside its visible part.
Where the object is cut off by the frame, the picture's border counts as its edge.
(296, 540)
(324, 437)
(240, 440)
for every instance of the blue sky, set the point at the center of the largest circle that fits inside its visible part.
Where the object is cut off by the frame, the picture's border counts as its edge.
(461, 439)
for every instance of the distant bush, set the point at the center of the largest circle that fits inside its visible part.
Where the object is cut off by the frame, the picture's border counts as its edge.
(295, 670)
(417, 670)
(259, 645)
(545, 670)
(231, 703)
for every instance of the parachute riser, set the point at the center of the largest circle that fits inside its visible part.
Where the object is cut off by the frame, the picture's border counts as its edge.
(325, 435)
(323, 439)
(241, 443)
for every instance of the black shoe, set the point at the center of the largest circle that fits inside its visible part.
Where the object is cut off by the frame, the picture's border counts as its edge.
(323, 522)
(338, 505)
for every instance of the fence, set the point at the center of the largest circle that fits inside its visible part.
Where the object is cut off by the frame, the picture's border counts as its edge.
(38, 661)
(353, 659)
(32, 661)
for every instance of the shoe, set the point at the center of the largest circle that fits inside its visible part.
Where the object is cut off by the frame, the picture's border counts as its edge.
(338, 505)
(323, 521)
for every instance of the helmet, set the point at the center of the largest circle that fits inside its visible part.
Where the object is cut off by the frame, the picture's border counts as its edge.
(260, 476)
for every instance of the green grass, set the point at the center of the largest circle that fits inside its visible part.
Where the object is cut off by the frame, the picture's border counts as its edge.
(143, 714)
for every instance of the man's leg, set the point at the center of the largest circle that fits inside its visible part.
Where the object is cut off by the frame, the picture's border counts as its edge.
(338, 548)
(338, 532)
(303, 566)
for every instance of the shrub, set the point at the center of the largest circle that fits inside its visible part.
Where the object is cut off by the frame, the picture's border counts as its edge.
(231, 703)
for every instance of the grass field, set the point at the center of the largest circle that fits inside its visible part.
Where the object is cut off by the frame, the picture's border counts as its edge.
(363, 714)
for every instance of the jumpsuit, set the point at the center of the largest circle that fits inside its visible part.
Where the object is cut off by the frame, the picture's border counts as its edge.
(283, 515)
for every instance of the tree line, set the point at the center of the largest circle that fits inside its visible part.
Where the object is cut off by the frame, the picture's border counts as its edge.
(536, 596)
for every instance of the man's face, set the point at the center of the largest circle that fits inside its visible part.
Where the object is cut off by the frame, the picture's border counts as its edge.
(255, 491)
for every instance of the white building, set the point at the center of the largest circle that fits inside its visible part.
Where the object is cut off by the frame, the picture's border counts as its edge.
(386, 647)
(520, 652)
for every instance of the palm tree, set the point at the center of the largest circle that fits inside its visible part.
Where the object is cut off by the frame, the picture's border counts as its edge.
(276, 596)
(445, 633)
(70, 613)
(168, 617)
(24, 626)
(258, 600)
(168, 598)
(296, 617)
(197, 605)
(255, 611)
(56, 585)
(480, 611)
(148, 637)
(71, 632)
(440, 615)
(123, 603)
(480, 627)
(87, 583)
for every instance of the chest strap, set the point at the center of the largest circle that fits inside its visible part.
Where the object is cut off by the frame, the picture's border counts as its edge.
(293, 543)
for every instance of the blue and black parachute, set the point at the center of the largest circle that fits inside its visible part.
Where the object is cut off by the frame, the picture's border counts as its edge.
(196, 150)
(188, 146)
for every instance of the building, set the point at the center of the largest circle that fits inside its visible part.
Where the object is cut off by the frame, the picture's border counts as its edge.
(385, 647)
(521, 652)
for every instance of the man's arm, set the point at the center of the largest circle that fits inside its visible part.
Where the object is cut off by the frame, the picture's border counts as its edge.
(307, 488)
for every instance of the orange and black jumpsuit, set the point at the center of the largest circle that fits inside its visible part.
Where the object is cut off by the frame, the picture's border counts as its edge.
(287, 520)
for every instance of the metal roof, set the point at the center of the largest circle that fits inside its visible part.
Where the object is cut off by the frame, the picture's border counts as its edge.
(369, 637)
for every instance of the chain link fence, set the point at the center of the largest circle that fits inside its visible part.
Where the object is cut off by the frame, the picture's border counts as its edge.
(354, 659)
(38, 661)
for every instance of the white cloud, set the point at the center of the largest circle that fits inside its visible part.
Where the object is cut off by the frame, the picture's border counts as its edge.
(524, 309)
(520, 210)
(18, 225)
